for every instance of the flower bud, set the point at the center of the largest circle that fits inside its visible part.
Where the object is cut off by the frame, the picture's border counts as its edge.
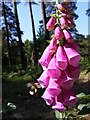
(70, 23)
(58, 33)
(51, 23)
(63, 22)
(65, 14)
(67, 36)
(60, 7)
(53, 45)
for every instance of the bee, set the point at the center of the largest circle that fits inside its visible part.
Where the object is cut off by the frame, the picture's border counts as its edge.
(33, 88)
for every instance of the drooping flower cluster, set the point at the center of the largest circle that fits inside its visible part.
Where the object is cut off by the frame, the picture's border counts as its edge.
(60, 62)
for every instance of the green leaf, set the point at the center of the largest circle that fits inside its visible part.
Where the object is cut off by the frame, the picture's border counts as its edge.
(80, 95)
(57, 114)
(80, 106)
(52, 15)
(11, 105)
(83, 97)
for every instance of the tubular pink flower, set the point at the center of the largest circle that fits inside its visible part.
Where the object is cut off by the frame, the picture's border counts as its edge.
(44, 80)
(74, 45)
(58, 33)
(68, 36)
(70, 98)
(53, 88)
(45, 58)
(51, 23)
(47, 97)
(61, 58)
(53, 45)
(66, 80)
(58, 104)
(75, 71)
(60, 7)
(73, 55)
(63, 22)
(53, 71)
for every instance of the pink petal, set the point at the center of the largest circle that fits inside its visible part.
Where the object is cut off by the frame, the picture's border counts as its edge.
(45, 58)
(44, 80)
(58, 33)
(70, 98)
(61, 58)
(53, 71)
(53, 88)
(50, 24)
(75, 71)
(73, 55)
(47, 97)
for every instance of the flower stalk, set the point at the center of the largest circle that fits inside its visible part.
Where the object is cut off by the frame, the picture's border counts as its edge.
(60, 62)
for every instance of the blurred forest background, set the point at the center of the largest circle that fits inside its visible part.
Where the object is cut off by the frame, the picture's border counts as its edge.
(20, 61)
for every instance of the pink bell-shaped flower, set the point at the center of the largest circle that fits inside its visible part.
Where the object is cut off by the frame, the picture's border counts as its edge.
(73, 55)
(53, 45)
(45, 58)
(58, 103)
(61, 58)
(53, 71)
(65, 14)
(67, 36)
(66, 80)
(70, 23)
(63, 22)
(75, 71)
(44, 80)
(58, 33)
(74, 45)
(51, 23)
(53, 88)
(68, 9)
(47, 97)
(60, 7)
(70, 98)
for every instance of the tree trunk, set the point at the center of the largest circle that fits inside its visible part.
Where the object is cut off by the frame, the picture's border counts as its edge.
(34, 36)
(9, 54)
(44, 20)
(19, 35)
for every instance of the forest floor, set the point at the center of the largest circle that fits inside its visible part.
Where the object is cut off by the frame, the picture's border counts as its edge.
(34, 107)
